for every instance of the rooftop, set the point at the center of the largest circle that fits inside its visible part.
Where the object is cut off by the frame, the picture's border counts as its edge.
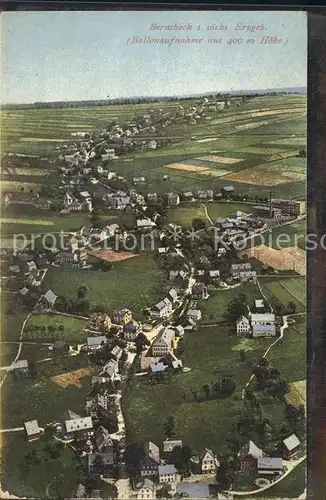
(291, 442)
(31, 428)
(166, 469)
(79, 424)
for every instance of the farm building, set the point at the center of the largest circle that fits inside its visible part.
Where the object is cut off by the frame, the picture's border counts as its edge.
(32, 429)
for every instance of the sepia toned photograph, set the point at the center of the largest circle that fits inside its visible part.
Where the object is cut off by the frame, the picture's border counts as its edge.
(153, 255)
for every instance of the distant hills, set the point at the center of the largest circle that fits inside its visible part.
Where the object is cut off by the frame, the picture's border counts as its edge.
(139, 99)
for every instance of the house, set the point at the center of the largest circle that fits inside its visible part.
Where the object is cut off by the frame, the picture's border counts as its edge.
(95, 406)
(100, 321)
(122, 316)
(263, 325)
(214, 274)
(193, 490)
(145, 224)
(32, 429)
(173, 199)
(102, 440)
(188, 196)
(94, 343)
(199, 291)
(24, 291)
(43, 203)
(270, 466)
(48, 299)
(157, 368)
(173, 275)
(179, 331)
(227, 191)
(78, 428)
(167, 474)
(243, 326)
(131, 331)
(85, 196)
(67, 199)
(138, 180)
(152, 197)
(206, 195)
(116, 352)
(208, 462)
(163, 250)
(290, 445)
(163, 344)
(147, 490)
(194, 314)
(30, 267)
(248, 456)
(259, 305)
(79, 492)
(20, 366)
(149, 466)
(60, 345)
(242, 271)
(172, 296)
(162, 309)
(170, 444)
(110, 369)
(14, 269)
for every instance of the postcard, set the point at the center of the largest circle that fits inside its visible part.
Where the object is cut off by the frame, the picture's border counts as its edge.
(153, 254)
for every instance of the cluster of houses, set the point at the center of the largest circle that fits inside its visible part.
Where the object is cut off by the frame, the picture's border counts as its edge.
(259, 323)
(253, 460)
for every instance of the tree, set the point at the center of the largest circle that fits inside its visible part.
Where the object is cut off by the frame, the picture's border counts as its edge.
(242, 354)
(180, 457)
(82, 291)
(134, 454)
(206, 390)
(169, 427)
(198, 224)
(164, 491)
(292, 307)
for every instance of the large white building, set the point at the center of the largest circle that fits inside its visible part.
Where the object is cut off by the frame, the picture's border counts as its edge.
(243, 326)
(263, 325)
(163, 344)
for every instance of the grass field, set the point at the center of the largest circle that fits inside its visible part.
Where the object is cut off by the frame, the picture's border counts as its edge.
(298, 393)
(39, 397)
(216, 305)
(292, 486)
(289, 356)
(185, 213)
(135, 283)
(287, 290)
(209, 354)
(20, 479)
(73, 327)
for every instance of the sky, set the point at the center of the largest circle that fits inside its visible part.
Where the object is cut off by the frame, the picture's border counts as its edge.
(57, 56)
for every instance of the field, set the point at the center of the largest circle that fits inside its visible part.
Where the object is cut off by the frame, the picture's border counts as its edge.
(287, 290)
(289, 356)
(298, 393)
(215, 306)
(110, 255)
(223, 139)
(135, 283)
(209, 354)
(71, 378)
(20, 479)
(27, 398)
(285, 259)
(73, 327)
(185, 213)
(292, 486)
(272, 174)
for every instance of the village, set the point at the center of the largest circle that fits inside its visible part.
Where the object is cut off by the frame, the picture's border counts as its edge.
(203, 260)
